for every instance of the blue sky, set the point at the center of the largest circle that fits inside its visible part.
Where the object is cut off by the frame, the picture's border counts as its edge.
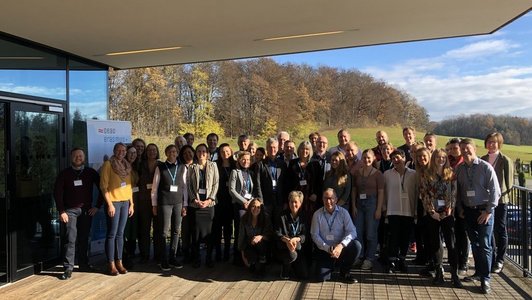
(478, 74)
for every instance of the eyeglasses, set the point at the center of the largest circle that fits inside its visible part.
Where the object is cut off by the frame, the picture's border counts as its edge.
(255, 207)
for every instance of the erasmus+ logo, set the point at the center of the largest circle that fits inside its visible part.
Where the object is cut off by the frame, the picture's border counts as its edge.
(107, 130)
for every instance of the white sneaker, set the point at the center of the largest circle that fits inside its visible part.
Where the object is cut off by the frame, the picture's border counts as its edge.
(367, 265)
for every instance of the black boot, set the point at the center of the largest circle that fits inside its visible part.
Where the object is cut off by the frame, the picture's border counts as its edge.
(438, 279)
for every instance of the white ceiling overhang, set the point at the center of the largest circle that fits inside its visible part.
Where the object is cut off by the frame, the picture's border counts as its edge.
(208, 30)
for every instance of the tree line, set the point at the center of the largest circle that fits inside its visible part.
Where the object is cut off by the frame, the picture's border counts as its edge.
(257, 97)
(516, 131)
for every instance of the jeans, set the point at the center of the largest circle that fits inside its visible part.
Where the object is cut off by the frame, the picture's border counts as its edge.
(170, 218)
(114, 242)
(75, 234)
(367, 227)
(480, 236)
(500, 234)
(325, 263)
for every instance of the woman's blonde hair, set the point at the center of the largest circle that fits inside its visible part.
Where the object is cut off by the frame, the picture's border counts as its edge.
(296, 195)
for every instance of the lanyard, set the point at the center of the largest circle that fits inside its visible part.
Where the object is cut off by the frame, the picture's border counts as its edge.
(171, 176)
(295, 227)
(470, 173)
(364, 179)
(247, 181)
(331, 223)
(202, 178)
(301, 171)
(78, 172)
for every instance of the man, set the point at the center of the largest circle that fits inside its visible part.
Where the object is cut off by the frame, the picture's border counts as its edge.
(289, 152)
(73, 198)
(351, 151)
(430, 141)
(313, 139)
(243, 142)
(190, 138)
(212, 144)
(478, 194)
(334, 235)
(343, 138)
(400, 193)
(455, 156)
(323, 158)
(270, 173)
(460, 233)
(382, 139)
(409, 134)
(504, 168)
(282, 137)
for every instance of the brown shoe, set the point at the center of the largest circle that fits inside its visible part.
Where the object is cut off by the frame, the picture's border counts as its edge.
(112, 269)
(120, 267)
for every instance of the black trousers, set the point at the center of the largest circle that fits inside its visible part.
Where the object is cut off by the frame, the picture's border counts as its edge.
(400, 228)
(462, 242)
(222, 226)
(75, 237)
(446, 226)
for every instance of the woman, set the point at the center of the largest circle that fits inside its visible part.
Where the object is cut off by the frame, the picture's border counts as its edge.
(223, 211)
(202, 189)
(140, 146)
(339, 179)
(115, 183)
(368, 192)
(243, 188)
(252, 148)
(255, 232)
(385, 163)
(144, 205)
(186, 158)
(291, 232)
(438, 193)
(421, 159)
(260, 155)
(130, 232)
(300, 177)
(167, 201)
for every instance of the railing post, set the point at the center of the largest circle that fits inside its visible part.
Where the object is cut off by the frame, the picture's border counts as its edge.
(524, 213)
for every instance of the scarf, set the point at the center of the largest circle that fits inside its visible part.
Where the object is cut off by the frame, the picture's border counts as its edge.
(121, 167)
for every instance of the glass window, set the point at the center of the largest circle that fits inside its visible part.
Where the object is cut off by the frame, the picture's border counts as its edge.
(29, 71)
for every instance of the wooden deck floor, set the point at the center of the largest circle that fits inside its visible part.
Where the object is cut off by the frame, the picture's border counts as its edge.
(226, 281)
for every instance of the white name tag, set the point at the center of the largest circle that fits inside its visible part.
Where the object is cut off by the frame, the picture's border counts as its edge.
(173, 188)
(470, 193)
(441, 203)
(362, 196)
(148, 186)
(202, 191)
(302, 182)
(274, 183)
(123, 184)
(135, 189)
(78, 182)
(247, 196)
(329, 237)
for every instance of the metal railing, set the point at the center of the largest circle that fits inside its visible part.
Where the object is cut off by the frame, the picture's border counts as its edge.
(519, 228)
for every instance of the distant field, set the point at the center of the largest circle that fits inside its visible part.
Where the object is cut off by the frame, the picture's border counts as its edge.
(365, 138)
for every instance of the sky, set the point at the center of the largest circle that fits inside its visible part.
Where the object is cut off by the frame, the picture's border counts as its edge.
(477, 74)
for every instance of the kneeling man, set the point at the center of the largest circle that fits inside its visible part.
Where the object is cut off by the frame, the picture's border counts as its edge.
(335, 235)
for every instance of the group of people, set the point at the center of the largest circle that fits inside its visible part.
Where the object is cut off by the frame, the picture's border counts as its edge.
(310, 205)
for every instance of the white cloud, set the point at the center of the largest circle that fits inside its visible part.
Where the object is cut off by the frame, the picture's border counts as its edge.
(482, 48)
(460, 81)
(90, 109)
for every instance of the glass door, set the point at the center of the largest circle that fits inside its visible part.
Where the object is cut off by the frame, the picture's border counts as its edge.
(3, 197)
(36, 136)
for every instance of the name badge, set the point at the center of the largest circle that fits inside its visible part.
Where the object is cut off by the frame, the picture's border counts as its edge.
(404, 196)
(123, 184)
(135, 189)
(247, 196)
(441, 203)
(329, 237)
(274, 183)
(173, 188)
(202, 191)
(362, 196)
(470, 193)
(148, 186)
(302, 182)
(78, 182)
